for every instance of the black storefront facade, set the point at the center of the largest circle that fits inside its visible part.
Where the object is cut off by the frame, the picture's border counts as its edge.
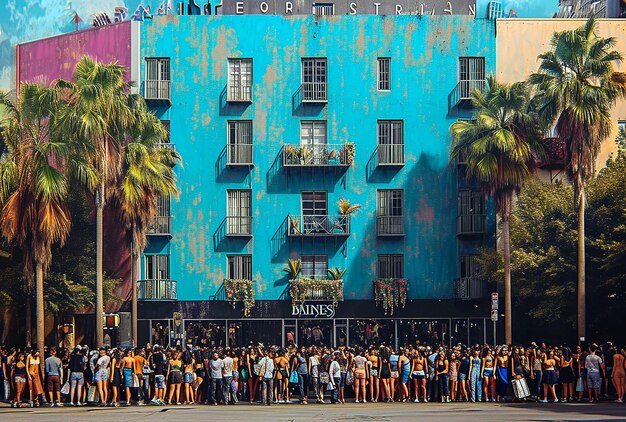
(351, 323)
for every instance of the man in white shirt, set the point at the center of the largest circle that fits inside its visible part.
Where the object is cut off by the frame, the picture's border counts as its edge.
(230, 396)
(216, 366)
(267, 377)
(594, 364)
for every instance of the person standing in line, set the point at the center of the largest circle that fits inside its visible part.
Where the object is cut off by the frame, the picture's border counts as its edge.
(216, 366)
(115, 377)
(282, 376)
(34, 378)
(549, 376)
(404, 365)
(175, 377)
(566, 375)
(54, 372)
(502, 373)
(159, 364)
(188, 376)
(140, 391)
(266, 374)
(475, 370)
(334, 376)
(464, 364)
(619, 372)
(77, 376)
(442, 367)
(301, 369)
(488, 375)
(314, 373)
(594, 366)
(18, 375)
(360, 370)
(128, 368)
(433, 387)
(229, 394)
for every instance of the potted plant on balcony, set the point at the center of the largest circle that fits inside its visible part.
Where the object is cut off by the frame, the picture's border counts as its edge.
(303, 288)
(345, 210)
(240, 291)
(306, 155)
(391, 293)
(293, 268)
(292, 155)
(347, 153)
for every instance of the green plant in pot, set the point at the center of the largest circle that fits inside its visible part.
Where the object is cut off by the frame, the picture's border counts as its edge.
(336, 273)
(293, 268)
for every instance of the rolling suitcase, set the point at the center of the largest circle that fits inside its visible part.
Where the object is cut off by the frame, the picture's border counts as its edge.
(520, 388)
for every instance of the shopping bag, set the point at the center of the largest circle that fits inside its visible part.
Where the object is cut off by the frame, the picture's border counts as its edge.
(330, 386)
(293, 378)
(349, 378)
(7, 390)
(580, 385)
(65, 390)
(92, 395)
(520, 388)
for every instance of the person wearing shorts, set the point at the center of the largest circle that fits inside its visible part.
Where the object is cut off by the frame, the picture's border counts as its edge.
(594, 365)
(54, 370)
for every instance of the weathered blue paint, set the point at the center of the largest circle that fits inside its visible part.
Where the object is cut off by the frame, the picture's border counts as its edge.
(424, 55)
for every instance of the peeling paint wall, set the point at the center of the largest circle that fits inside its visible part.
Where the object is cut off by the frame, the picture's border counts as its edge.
(521, 41)
(44, 60)
(424, 54)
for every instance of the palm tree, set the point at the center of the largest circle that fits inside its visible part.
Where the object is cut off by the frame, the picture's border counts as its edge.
(147, 173)
(98, 116)
(500, 147)
(576, 87)
(35, 172)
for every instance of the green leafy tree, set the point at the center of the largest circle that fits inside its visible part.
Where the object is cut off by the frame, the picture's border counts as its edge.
(576, 86)
(500, 147)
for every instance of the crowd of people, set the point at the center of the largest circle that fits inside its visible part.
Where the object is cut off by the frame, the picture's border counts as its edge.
(274, 375)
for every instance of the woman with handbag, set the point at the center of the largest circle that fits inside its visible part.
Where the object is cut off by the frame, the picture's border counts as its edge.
(303, 372)
(334, 374)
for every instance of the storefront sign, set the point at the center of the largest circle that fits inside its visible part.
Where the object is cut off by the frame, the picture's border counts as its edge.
(314, 311)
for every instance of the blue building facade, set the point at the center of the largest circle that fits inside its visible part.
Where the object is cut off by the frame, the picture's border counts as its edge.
(278, 118)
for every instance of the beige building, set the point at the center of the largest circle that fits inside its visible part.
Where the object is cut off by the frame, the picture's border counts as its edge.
(520, 41)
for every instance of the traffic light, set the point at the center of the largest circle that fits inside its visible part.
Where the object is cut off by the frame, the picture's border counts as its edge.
(67, 329)
(111, 321)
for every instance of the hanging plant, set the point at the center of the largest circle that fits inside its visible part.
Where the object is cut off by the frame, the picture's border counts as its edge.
(391, 293)
(240, 291)
(304, 288)
(347, 153)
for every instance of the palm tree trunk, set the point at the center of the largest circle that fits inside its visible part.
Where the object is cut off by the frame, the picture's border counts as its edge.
(581, 267)
(40, 311)
(99, 310)
(506, 252)
(29, 316)
(133, 277)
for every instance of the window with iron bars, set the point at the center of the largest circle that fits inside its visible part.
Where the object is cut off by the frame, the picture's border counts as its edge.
(384, 74)
(239, 267)
(239, 217)
(390, 212)
(391, 266)
(390, 142)
(323, 9)
(240, 80)
(240, 142)
(157, 79)
(314, 80)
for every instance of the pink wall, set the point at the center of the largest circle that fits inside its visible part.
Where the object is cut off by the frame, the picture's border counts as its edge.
(55, 57)
(48, 59)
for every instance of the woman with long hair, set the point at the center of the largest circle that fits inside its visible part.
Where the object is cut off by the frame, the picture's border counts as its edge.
(502, 373)
(488, 375)
(360, 370)
(419, 369)
(301, 368)
(442, 367)
(115, 376)
(175, 377)
(464, 364)
(253, 379)
(453, 373)
(385, 374)
(404, 364)
(549, 376)
(33, 363)
(566, 375)
(395, 372)
(619, 373)
(281, 376)
(188, 376)
(102, 375)
(18, 375)
(374, 365)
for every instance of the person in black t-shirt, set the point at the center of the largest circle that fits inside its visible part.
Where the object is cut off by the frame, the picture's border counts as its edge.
(77, 376)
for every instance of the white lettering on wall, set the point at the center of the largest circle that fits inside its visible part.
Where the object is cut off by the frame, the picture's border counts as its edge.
(289, 7)
(315, 311)
(264, 7)
(421, 10)
(376, 5)
(448, 10)
(353, 8)
(239, 6)
(398, 9)
(472, 9)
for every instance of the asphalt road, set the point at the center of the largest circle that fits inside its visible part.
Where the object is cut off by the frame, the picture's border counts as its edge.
(327, 413)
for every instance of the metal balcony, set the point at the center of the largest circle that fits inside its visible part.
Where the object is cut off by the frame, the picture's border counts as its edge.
(390, 225)
(239, 155)
(469, 288)
(157, 90)
(471, 224)
(462, 94)
(323, 155)
(391, 155)
(239, 94)
(239, 226)
(160, 226)
(319, 225)
(157, 289)
(314, 92)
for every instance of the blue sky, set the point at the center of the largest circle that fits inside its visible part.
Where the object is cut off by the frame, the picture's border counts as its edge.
(532, 8)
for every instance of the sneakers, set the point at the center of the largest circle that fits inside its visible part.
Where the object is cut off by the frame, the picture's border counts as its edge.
(543, 401)
(416, 401)
(557, 400)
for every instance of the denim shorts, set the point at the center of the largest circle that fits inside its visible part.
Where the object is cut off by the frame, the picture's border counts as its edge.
(188, 377)
(77, 378)
(102, 375)
(593, 380)
(159, 381)
(462, 377)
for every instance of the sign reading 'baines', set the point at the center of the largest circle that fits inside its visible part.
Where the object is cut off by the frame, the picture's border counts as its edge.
(313, 311)
(349, 7)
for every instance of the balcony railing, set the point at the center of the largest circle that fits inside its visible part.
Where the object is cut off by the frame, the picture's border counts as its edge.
(461, 95)
(469, 288)
(239, 226)
(322, 155)
(309, 290)
(160, 225)
(156, 289)
(391, 225)
(468, 224)
(555, 151)
(391, 155)
(239, 93)
(239, 154)
(157, 90)
(314, 92)
(319, 225)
